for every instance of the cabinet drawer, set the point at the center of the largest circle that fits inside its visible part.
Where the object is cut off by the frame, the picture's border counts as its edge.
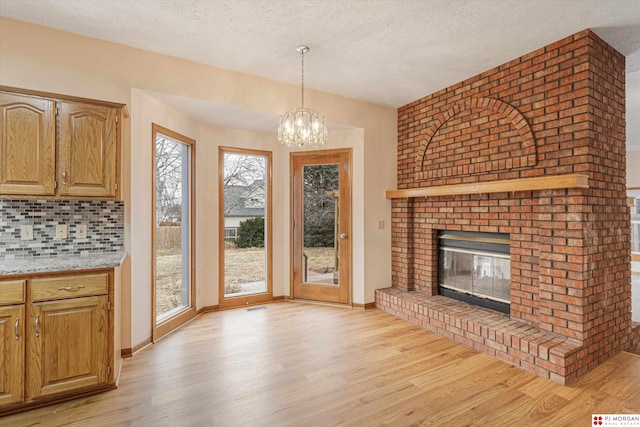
(12, 292)
(69, 287)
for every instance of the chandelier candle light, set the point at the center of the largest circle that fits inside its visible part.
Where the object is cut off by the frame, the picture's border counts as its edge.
(302, 127)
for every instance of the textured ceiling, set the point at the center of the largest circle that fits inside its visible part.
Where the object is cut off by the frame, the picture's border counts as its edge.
(387, 52)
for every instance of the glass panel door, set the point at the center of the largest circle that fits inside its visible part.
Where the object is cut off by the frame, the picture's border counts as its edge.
(245, 213)
(172, 231)
(321, 225)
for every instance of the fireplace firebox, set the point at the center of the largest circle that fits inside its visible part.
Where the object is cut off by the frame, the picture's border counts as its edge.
(475, 268)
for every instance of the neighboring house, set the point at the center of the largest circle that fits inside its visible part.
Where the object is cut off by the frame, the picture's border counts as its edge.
(242, 202)
(233, 219)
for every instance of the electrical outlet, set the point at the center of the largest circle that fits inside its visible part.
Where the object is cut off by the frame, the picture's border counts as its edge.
(26, 232)
(380, 224)
(61, 231)
(81, 231)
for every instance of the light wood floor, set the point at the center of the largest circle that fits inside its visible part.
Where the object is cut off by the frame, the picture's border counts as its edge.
(310, 365)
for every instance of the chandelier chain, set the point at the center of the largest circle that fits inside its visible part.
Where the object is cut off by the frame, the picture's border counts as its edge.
(302, 74)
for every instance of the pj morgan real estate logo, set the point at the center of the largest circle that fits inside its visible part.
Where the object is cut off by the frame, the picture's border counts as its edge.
(615, 420)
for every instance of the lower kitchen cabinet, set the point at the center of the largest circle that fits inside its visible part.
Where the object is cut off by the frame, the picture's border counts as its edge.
(11, 354)
(58, 341)
(68, 345)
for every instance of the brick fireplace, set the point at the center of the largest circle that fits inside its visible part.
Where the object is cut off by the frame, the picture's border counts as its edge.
(533, 149)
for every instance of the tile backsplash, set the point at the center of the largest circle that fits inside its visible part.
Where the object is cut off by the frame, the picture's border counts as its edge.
(104, 220)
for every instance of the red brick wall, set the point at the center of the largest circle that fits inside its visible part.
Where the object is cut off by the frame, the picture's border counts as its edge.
(557, 110)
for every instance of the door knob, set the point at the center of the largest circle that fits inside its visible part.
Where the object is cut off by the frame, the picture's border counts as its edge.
(343, 236)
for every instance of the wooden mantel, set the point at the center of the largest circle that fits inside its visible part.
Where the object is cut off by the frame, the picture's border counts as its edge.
(508, 185)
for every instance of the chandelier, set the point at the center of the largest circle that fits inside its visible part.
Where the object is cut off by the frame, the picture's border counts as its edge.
(302, 127)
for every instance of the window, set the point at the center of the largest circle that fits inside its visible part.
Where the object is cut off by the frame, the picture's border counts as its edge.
(245, 224)
(173, 230)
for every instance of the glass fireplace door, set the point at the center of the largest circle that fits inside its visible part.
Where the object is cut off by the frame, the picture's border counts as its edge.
(475, 267)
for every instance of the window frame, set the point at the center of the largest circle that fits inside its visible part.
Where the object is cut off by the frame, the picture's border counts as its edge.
(182, 316)
(261, 297)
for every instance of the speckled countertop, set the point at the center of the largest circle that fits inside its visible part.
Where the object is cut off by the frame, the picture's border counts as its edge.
(60, 263)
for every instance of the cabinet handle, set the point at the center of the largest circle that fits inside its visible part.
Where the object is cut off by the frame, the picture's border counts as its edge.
(17, 328)
(37, 326)
(64, 176)
(71, 288)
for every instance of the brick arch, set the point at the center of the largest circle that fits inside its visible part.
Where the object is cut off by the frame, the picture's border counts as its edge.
(506, 111)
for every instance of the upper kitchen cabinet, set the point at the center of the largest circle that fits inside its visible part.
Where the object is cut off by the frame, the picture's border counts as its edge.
(27, 145)
(56, 146)
(87, 150)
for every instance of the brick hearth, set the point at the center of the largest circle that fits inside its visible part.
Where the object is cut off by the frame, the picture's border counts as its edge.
(558, 110)
(515, 342)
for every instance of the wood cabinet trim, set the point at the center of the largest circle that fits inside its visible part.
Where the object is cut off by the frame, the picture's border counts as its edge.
(508, 185)
(51, 274)
(57, 96)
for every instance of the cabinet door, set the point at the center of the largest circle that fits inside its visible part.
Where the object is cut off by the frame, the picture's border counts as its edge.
(87, 150)
(27, 145)
(68, 345)
(11, 354)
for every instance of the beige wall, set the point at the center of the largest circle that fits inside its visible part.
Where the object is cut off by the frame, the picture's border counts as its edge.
(633, 169)
(38, 58)
(148, 110)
